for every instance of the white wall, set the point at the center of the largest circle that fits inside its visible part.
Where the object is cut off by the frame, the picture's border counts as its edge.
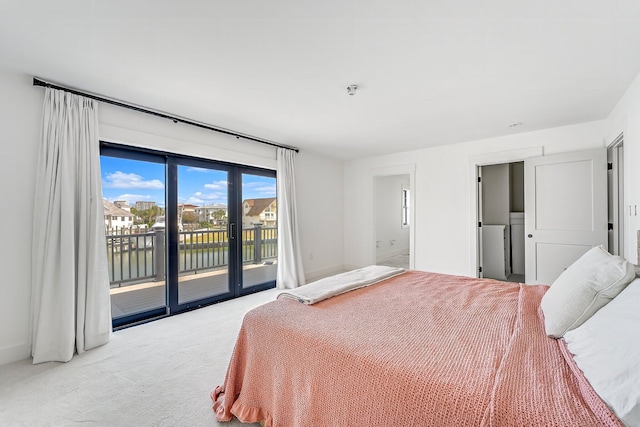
(516, 176)
(319, 191)
(20, 116)
(444, 221)
(393, 238)
(496, 194)
(321, 213)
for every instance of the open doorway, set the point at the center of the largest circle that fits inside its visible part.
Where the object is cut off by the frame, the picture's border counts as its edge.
(392, 220)
(501, 221)
(615, 193)
(565, 205)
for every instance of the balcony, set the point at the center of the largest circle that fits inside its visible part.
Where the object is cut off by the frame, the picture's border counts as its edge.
(137, 265)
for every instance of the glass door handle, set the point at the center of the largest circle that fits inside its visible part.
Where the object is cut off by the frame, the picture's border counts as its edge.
(230, 230)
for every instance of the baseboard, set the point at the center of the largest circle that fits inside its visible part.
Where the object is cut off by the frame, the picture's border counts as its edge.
(312, 276)
(14, 353)
(387, 255)
(349, 267)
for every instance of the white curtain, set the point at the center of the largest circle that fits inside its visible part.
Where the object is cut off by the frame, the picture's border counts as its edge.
(70, 304)
(290, 271)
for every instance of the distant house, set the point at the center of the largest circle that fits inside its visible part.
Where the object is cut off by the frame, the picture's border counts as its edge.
(116, 218)
(122, 204)
(186, 207)
(259, 211)
(208, 213)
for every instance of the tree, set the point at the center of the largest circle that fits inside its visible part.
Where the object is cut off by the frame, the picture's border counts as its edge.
(220, 216)
(138, 216)
(190, 218)
(147, 216)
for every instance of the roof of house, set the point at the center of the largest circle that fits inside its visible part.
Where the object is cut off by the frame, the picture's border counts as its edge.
(258, 205)
(113, 210)
(187, 206)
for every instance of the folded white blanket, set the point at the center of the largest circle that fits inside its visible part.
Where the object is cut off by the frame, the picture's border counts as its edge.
(340, 283)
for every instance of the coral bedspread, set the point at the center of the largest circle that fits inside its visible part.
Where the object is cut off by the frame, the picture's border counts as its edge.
(419, 349)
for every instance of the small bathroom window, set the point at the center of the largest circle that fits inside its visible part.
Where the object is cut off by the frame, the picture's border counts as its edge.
(405, 207)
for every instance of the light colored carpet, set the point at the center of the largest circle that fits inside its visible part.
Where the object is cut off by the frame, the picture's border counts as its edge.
(398, 261)
(157, 374)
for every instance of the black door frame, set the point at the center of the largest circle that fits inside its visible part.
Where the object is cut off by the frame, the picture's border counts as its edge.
(240, 289)
(234, 193)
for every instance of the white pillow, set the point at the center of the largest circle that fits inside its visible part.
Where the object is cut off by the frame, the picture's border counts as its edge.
(607, 350)
(583, 288)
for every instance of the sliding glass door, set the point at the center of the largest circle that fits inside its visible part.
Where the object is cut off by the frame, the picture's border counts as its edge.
(204, 239)
(258, 217)
(184, 232)
(134, 199)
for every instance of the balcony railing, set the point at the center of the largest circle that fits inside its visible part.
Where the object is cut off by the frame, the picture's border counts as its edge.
(136, 257)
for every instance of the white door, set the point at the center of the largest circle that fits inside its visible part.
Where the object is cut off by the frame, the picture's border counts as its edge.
(565, 210)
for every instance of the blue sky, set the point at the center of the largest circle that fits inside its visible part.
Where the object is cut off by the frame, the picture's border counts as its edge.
(133, 180)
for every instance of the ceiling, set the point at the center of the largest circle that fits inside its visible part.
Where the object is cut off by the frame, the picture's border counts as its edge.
(429, 72)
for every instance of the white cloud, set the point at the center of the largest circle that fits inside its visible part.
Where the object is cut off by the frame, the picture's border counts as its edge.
(199, 198)
(195, 169)
(207, 196)
(256, 189)
(193, 200)
(120, 179)
(216, 185)
(266, 190)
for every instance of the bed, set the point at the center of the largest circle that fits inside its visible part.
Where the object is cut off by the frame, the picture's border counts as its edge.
(417, 349)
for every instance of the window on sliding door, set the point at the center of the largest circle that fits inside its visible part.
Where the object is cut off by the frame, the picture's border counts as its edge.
(134, 192)
(202, 216)
(259, 229)
(184, 232)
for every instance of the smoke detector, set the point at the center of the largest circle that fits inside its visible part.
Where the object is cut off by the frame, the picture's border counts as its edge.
(351, 89)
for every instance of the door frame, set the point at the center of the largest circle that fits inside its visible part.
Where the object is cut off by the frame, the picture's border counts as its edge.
(173, 250)
(615, 156)
(241, 289)
(410, 170)
(475, 162)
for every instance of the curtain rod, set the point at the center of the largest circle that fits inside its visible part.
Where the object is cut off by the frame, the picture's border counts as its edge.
(175, 119)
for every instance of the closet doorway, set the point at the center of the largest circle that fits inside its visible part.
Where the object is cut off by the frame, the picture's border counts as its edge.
(565, 212)
(501, 221)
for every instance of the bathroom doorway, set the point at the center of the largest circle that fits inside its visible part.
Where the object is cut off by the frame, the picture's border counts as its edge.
(392, 220)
